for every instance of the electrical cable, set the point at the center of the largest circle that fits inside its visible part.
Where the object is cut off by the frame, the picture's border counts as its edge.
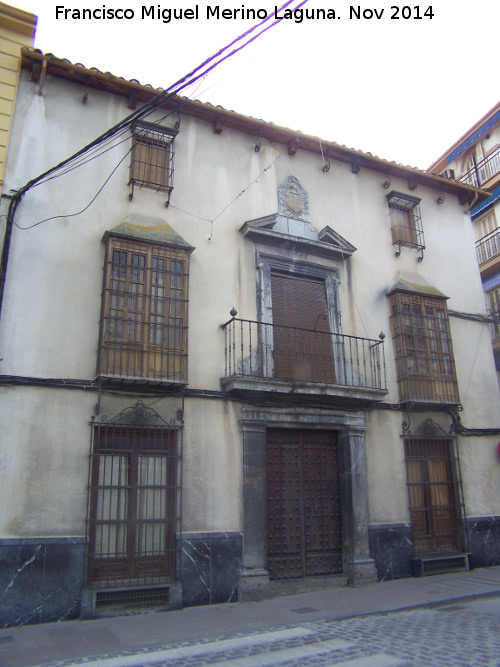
(72, 215)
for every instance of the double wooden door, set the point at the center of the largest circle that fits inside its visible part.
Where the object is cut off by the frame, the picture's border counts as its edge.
(303, 505)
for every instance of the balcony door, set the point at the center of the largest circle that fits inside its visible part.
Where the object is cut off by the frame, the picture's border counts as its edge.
(302, 340)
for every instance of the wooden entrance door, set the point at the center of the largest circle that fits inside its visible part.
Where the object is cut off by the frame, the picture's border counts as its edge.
(303, 506)
(302, 341)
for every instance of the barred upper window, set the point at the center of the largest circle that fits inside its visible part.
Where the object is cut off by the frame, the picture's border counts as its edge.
(144, 319)
(424, 355)
(406, 223)
(152, 157)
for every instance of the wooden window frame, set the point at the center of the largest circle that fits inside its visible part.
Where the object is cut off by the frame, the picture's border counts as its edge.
(433, 482)
(423, 349)
(152, 157)
(133, 504)
(406, 222)
(144, 321)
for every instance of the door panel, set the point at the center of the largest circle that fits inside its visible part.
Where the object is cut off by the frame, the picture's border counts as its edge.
(303, 507)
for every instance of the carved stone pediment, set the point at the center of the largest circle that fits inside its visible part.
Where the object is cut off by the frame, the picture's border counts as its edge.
(291, 228)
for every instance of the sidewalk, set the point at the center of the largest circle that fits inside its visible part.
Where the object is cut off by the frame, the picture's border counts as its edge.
(55, 643)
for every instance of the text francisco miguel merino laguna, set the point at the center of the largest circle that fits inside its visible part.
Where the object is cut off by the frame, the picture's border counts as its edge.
(166, 15)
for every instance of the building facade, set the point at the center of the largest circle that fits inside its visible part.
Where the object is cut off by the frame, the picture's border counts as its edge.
(475, 159)
(235, 359)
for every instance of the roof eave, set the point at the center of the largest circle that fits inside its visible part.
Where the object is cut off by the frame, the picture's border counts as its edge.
(137, 93)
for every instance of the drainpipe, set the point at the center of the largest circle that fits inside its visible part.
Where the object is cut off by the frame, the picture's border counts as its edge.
(14, 203)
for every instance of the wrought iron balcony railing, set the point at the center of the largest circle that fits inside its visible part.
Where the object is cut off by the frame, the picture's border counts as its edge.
(483, 171)
(274, 352)
(488, 247)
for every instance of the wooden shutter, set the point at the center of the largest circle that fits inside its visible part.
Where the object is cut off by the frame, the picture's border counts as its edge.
(302, 342)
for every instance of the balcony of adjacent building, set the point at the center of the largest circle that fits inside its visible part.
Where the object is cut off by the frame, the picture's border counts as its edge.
(495, 335)
(488, 251)
(286, 363)
(484, 173)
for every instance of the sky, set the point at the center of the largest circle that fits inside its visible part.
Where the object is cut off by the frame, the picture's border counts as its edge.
(404, 89)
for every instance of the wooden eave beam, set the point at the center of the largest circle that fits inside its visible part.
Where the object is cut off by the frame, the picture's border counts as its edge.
(133, 98)
(293, 146)
(218, 125)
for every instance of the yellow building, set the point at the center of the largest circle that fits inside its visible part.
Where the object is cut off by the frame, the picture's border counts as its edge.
(17, 29)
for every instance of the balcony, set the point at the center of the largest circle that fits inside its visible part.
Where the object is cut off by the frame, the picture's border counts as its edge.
(264, 359)
(484, 171)
(488, 247)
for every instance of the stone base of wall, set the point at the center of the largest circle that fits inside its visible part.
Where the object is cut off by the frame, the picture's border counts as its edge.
(484, 541)
(391, 547)
(40, 579)
(211, 566)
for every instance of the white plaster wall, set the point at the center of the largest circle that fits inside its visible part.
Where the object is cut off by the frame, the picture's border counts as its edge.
(480, 465)
(386, 468)
(212, 466)
(44, 461)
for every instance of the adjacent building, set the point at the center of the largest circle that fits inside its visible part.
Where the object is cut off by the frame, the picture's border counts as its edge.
(475, 159)
(17, 29)
(235, 359)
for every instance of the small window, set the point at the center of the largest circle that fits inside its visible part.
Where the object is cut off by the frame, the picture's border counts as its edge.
(406, 223)
(152, 159)
(144, 321)
(424, 356)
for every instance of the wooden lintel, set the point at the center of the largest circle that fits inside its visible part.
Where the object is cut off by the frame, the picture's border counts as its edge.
(356, 165)
(293, 146)
(218, 125)
(133, 98)
(412, 183)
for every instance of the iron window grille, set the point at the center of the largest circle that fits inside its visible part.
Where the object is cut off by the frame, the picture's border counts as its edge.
(134, 500)
(425, 363)
(435, 495)
(144, 325)
(406, 222)
(152, 158)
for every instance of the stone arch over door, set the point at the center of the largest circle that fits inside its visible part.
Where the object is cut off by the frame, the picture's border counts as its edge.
(350, 430)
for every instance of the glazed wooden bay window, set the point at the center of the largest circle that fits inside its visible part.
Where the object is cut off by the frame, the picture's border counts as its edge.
(424, 355)
(144, 314)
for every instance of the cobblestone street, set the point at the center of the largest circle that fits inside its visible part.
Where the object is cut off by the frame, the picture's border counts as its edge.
(458, 635)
